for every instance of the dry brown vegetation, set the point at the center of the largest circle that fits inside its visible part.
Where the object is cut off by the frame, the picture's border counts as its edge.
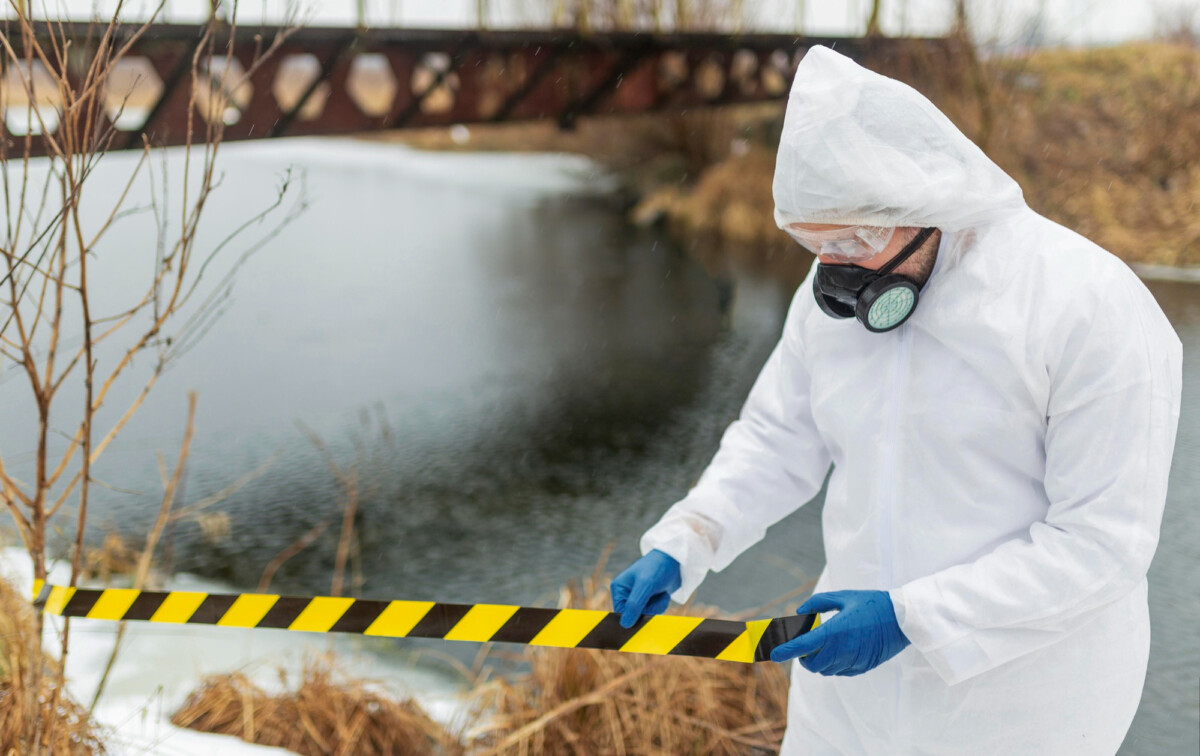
(580, 701)
(584, 702)
(1105, 141)
(52, 332)
(567, 701)
(73, 734)
(324, 714)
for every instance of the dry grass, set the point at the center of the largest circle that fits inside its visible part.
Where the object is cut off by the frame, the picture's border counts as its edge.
(1105, 141)
(112, 558)
(73, 733)
(322, 715)
(591, 702)
(566, 702)
(726, 218)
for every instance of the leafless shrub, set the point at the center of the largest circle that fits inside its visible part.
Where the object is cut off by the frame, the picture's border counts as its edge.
(49, 331)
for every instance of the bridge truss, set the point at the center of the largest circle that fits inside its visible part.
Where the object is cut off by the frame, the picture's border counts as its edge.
(341, 80)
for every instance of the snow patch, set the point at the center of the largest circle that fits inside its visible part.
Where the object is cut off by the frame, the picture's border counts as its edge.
(160, 665)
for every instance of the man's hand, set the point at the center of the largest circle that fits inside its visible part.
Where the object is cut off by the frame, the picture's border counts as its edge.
(862, 635)
(645, 587)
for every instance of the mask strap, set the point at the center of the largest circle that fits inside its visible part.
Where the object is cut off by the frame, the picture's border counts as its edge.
(907, 252)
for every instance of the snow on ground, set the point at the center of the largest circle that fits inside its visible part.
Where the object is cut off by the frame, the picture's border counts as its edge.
(512, 174)
(160, 665)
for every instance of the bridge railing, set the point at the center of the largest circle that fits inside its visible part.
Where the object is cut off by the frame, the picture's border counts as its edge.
(342, 80)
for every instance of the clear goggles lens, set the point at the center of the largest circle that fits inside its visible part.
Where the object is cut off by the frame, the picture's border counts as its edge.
(844, 245)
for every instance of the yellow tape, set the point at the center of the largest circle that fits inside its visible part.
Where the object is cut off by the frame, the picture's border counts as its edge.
(557, 628)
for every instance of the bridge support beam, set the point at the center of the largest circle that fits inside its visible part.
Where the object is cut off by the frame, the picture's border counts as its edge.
(339, 80)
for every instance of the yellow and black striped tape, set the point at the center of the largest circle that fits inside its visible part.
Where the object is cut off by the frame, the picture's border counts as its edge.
(558, 628)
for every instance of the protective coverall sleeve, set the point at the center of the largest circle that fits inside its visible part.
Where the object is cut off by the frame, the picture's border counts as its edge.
(770, 462)
(1115, 382)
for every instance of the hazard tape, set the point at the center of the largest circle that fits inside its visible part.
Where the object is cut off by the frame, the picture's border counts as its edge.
(676, 635)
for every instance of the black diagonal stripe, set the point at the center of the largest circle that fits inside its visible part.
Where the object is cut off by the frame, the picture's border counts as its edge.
(212, 609)
(525, 623)
(81, 603)
(145, 605)
(780, 631)
(709, 638)
(284, 611)
(438, 620)
(359, 616)
(609, 634)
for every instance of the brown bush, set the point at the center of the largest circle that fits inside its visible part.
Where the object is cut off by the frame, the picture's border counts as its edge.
(322, 715)
(1107, 142)
(112, 558)
(591, 702)
(72, 732)
(565, 701)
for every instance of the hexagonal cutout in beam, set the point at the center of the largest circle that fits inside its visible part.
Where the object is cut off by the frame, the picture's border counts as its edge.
(435, 83)
(673, 71)
(743, 71)
(131, 91)
(372, 84)
(776, 73)
(501, 75)
(710, 79)
(222, 89)
(295, 75)
(30, 99)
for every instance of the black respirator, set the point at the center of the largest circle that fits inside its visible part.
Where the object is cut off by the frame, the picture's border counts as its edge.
(880, 299)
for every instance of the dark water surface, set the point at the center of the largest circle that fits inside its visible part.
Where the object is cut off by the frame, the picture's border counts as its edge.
(517, 378)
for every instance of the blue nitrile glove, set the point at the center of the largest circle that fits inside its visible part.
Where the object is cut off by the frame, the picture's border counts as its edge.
(861, 636)
(645, 587)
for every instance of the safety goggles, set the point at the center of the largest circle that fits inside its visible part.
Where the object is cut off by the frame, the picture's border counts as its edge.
(851, 244)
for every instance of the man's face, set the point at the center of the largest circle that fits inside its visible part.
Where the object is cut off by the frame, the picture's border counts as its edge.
(902, 237)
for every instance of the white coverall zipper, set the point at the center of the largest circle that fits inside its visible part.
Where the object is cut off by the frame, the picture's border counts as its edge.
(888, 474)
(889, 488)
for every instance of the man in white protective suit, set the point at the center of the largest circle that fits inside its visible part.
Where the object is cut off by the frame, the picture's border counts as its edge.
(998, 398)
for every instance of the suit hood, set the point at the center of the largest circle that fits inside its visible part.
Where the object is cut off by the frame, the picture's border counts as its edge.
(858, 148)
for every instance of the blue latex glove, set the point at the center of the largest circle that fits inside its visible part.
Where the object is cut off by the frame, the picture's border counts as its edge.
(862, 635)
(645, 587)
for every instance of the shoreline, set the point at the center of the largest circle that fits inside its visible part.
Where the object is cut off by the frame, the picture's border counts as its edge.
(1175, 273)
(1100, 140)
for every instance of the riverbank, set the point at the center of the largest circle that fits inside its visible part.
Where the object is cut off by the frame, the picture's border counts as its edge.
(1102, 140)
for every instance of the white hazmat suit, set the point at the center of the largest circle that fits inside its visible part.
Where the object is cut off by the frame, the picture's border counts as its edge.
(999, 461)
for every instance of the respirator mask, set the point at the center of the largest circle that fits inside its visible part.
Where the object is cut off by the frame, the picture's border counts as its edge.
(880, 299)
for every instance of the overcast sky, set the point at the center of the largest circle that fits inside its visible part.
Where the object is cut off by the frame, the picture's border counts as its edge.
(1071, 21)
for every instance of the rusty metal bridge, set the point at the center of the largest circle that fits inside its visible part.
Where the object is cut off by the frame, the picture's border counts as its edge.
(344, 80)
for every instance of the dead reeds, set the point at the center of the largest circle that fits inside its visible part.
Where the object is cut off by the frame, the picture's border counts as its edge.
(20, 649)
(323, 714)
(561, 701)
(1101, 140)
(1105, 141)
(582, 701)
